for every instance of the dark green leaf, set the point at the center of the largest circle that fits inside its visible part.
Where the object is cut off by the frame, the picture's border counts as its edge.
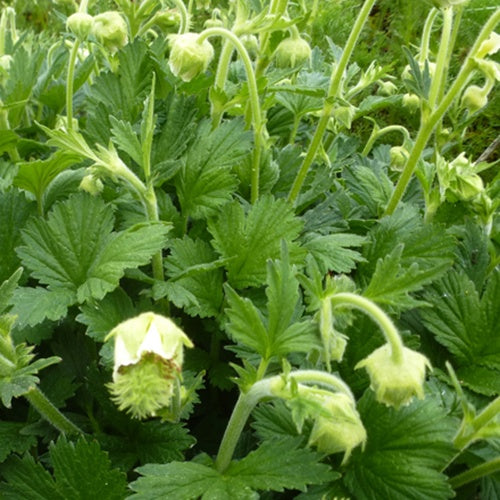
(205, 181)
(404, 452)
(7, 289)
(255, 238)
(14, 438)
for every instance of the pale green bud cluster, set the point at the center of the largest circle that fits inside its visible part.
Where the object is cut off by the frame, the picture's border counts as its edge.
(91, 184)
(396, 382)
(110, 30)
(148, 358)
(338, 426)
(188, 56)
(411, 102)
(458, 179)
(80, 24)
(292, 52)
(399, 156)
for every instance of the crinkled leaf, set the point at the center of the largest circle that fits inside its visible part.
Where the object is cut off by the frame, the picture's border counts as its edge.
(13, 438)
(147, 442)
(404, 452)
(467, 325)
(33, 305)
(14, 211)
(275, 465)
(332, 252)
(102, 316)
(75, 249)
(27, 479)
(273, 421)
(281, 464)
(193, 265)
(246, 324)
(125, 139)
(81, 470)
(403, 255)
(255, 238)
(205, 181)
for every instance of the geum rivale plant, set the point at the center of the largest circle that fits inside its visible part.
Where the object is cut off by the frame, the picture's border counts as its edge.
(233, 288)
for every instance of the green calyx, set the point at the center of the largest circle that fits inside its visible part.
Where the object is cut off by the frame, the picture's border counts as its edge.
(188, 57)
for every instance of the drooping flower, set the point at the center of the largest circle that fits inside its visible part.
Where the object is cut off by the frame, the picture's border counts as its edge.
(148, 357)
(396, 382)
(110, 29)
(80, 24)
(189, 57)
(291, 52)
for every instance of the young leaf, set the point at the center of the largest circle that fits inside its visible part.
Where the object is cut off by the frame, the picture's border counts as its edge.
(35, 176)
(205, 181)
(125, 139)
(255, 238)
(7, 289)
(404, 452)
(246, 324)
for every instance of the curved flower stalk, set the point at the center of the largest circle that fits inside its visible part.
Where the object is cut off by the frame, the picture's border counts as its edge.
(147, 374)
(337, 426)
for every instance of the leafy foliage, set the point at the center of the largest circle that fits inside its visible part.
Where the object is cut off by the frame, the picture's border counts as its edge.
(273, 466)
(80, 470)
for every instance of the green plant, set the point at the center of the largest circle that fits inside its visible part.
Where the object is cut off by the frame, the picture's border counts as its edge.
(243, 275)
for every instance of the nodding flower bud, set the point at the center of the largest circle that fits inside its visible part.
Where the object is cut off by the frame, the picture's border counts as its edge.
(167, 18)
(337, 427)
(474, 98)
(80, 24)
(189, 57)
(91, 184)
(396, 382)
(291, 52)
(411, 102)
(386, 87)
(489, 46)
(399, 155)
(110, 29)
(148, 359)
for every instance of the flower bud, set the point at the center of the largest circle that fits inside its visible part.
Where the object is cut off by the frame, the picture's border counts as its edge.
(338, 427)
(148, 359)
(291, 52)
(396, 382)
(250, 43)
(474, 98)
(167, 19)
(489, 46)
(188, 57)
(110, 29)
(91, 184)
(411, 102)
(399, 155)
(80, 24)
(387, 88)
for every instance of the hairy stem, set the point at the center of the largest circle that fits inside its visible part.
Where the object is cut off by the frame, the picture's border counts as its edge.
(385, 323)
(257, 122)
(333, 92)
(70, 83)
(427, 126)
(477, 472)
(50, 413)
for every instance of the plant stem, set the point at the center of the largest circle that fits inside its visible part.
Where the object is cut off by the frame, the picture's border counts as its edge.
(333, 92)
(427, 125)
(477, 472)
(50, 413)
(241, 411)
(70, 84)
(220, 80)
(376, 134)
(257, 122)
(378, 315)
(318, 377)
(426, 35)
(444, 53)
